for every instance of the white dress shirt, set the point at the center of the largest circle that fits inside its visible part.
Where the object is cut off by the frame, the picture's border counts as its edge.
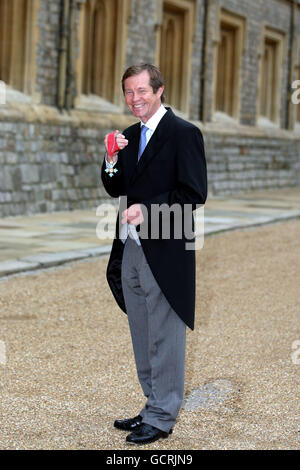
(152, 123)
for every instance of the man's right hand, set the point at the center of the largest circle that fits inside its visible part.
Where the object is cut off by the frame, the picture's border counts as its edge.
(122, 143)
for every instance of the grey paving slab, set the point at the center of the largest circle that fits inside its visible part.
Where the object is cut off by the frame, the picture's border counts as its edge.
(215, 229)
(52, 259)
(219, 220)
(97, 251)
(212, 395)
(15, 266)
(42, 240)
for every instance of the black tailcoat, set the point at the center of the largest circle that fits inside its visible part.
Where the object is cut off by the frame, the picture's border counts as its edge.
(172, 170)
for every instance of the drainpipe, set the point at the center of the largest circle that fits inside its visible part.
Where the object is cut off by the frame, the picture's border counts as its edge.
(63, 53)
(71, 56)
(202, 110)
(291, 59)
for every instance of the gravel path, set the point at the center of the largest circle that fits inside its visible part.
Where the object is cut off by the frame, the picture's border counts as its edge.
(67, 368)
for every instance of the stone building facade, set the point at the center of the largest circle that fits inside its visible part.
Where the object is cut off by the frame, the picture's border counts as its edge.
(229, 66)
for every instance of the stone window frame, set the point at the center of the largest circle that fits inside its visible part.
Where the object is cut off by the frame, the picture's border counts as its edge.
(297, 77)
(278, 37)
(188, 9)
(26, 91)
(238, 23)
(95, 102)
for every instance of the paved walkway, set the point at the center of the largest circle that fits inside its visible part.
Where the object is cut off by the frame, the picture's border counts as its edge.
(66, 371)
(44, 240)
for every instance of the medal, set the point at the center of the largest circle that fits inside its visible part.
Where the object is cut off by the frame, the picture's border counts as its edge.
(112, 147)
(111, 170)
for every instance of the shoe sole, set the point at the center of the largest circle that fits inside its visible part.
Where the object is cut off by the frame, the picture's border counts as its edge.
(150, 441)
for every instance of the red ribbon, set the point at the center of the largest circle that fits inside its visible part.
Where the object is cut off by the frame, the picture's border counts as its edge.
(112, 145)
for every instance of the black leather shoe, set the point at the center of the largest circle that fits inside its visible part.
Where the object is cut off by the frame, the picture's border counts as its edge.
(145, 434)
(128, 424)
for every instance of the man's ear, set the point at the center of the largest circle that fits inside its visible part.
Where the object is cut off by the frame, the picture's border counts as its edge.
(160, 91)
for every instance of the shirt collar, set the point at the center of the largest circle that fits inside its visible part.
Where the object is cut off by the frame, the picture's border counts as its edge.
(152, 123)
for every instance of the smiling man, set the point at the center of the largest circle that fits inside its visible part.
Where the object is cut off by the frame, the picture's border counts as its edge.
(143, 98)
(161, 161)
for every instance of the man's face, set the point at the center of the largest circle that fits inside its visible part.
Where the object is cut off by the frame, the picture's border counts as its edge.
(139, 96)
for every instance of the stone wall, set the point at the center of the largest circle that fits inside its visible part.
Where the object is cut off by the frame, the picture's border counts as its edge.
(51, 160)
(54, 163)
(48, 50)
(141, 33)
(274, 13)
(238, 163)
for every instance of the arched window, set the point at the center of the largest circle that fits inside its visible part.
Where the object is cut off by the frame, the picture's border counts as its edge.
(102, 48)
(175, 45)
(225, 73)
(268, 80)
(298, 106)
(17, 43)
(172, 56)
(228, 58)
(297, 77)
(271, 62)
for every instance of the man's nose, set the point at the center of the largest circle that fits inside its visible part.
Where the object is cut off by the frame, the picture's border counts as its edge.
(135, 96)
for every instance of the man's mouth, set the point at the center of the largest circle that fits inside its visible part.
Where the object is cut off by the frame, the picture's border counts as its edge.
(137, 106)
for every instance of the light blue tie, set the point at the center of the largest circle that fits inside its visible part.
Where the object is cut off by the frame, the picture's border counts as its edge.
(143, 141)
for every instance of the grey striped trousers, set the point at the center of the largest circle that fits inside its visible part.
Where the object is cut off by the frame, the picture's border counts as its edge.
(158, 338)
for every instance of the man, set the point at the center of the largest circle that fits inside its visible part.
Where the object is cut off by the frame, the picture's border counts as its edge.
(161, 163)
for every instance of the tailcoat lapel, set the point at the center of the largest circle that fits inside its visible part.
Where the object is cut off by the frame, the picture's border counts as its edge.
(133, 147)
(159, 137)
